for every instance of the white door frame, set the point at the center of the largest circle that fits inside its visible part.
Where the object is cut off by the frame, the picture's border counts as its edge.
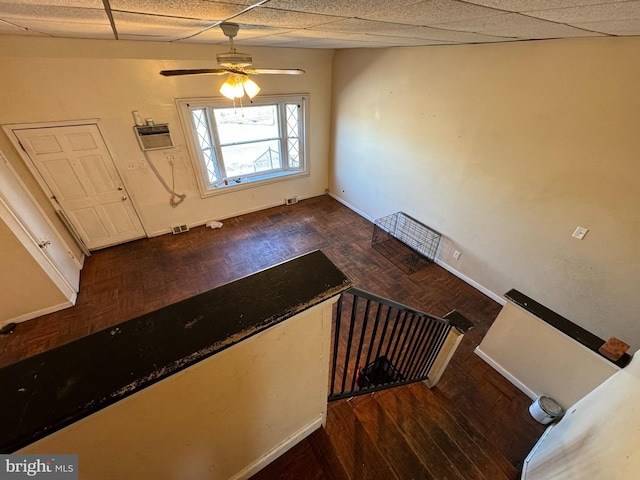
(9, 130)
(22, 232)
(79, 262)
(32, 247)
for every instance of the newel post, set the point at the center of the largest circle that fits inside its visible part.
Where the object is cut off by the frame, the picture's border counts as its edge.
(460, 325)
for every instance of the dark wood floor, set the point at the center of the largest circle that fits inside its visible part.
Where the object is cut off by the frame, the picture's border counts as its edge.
(473, 424)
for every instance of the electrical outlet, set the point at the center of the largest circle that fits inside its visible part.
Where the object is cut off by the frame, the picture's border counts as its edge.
(580, 232)
(456, 254)
(131, 166)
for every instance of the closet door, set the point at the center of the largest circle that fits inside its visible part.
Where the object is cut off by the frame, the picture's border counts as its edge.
(32, 227)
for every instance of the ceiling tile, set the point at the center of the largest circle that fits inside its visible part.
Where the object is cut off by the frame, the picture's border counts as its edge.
(532, 5)
(321, 34)
(56, 20)
(467, 37)
(318, 39)
(325, 23)
(433, 12)
(326, 44)
(147, 38)
(516, 25)
(403, 41)
(400, 30)
(358, 25)
(334, 44)
(614, 27)
(142, 24)
(451, 36)
(199, 9)
(245, 34)
(283, 18)
(342, 8)
(52, 12)
(58, 3)
(344, 38)
(270, 40)
(7, 28)
(592, 13)
(69, 30)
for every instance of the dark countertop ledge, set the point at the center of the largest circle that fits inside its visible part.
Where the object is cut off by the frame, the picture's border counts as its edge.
(566, 326)
(49, 391)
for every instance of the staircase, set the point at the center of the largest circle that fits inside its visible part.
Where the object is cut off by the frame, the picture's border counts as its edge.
(378, 344)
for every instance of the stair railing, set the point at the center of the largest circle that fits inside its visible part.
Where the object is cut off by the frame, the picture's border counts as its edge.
(379, 343)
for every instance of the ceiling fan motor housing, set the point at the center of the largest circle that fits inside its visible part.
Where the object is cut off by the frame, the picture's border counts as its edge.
(234, 59)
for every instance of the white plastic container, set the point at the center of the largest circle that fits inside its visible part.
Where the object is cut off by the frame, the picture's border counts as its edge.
(545, 410)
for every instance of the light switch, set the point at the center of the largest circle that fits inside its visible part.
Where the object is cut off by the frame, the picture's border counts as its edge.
(580, 233)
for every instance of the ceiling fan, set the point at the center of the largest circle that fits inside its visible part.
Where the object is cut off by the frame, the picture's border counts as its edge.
(234, 64)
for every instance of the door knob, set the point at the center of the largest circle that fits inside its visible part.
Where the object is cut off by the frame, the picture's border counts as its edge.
(124, 197)
(120, 188)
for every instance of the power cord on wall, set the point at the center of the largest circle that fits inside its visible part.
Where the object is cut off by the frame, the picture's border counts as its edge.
(176, 198)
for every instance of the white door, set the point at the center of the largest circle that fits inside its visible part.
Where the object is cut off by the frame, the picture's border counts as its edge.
(30, 224)
(76, 166)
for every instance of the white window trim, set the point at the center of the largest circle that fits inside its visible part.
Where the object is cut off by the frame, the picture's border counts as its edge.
(183, 105)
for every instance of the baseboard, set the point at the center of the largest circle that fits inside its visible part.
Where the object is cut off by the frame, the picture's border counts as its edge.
(492, 295)
(164, 231)
(280, 449)
(506, 374)
(351, 207)
(39, 313)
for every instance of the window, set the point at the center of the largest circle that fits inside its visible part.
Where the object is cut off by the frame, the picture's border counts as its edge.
(232, 146)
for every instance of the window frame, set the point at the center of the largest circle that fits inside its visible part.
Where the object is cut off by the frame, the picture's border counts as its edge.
(185, 107)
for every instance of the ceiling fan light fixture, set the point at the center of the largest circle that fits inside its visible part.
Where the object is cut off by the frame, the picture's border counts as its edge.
(228, 89)
(250, 87)
(239, 90)
(232, 87)
(236, 87)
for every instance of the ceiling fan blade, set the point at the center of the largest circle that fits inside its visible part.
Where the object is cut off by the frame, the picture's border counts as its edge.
(274, 71)
(197, 71)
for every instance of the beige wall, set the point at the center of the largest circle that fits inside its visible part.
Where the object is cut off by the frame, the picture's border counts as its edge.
(24, 286)
(535, 358)
(223, 418)
(44, 80)
(506, 149)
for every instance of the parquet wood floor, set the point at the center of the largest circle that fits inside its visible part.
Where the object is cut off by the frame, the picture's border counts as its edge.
(473, 424)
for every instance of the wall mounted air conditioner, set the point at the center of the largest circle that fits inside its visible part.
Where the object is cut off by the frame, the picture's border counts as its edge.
(153, 137)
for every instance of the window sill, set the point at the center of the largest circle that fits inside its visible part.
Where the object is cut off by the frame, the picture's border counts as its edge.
(249, 182)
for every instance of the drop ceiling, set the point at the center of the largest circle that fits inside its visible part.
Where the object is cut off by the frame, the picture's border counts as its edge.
(322, 23)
